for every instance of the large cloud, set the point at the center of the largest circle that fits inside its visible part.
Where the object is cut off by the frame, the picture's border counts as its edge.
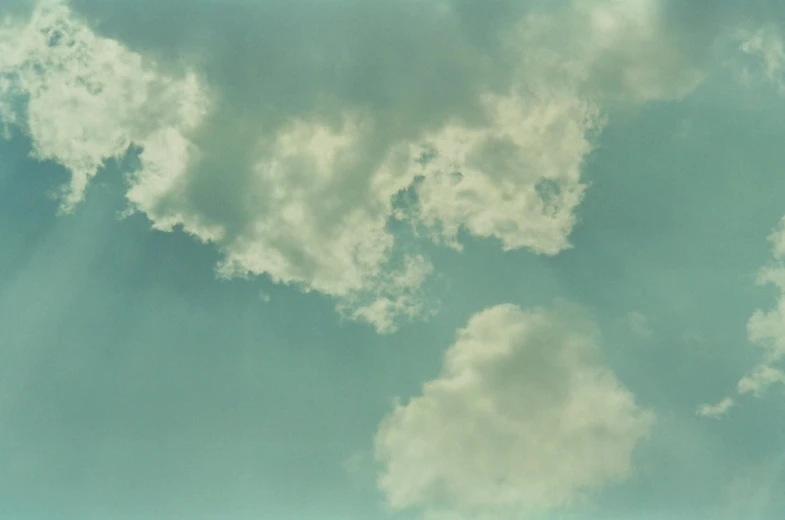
(306, 212)
(290, 137)
(88, 98)
(524, 417)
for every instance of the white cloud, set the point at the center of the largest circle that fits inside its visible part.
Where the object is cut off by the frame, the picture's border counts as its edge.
(766, 329)
(715, 411)
(396, 293)
(758, 381)
(307, 227)
(312, 219)
(518, 179)
(304, 193)
(524, 417)
(87, 98)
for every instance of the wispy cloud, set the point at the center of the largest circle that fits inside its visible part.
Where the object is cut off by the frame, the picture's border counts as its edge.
(715, 411)
(639, 324)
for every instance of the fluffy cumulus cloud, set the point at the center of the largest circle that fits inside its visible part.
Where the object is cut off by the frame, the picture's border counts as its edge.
(311, 219)
(85, 99)
(290, 160)
(518, 179)
(524, 417)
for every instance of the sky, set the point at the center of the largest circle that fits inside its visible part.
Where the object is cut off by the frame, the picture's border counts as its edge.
(406, 260)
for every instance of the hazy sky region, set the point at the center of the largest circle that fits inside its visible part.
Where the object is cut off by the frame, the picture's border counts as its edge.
(401, 259)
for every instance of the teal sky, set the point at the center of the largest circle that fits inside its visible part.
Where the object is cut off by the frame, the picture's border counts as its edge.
(209, 309)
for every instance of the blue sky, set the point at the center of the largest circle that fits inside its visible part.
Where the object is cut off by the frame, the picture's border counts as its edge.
(424, 259)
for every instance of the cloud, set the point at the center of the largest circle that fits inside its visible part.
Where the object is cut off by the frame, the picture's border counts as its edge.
(287, 141)
(760, 379)
(766, 329)
(639, 324)
(87, 99)
(766, 45)
(616, 50)
(523, 417)
(310, 219)
(517, 180)
(519, 177)
(715, 411)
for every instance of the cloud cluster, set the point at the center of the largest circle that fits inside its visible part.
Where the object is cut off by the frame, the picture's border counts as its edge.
(311, 211)
(766, 328)
(524, 417)
(287, 143)
(290, 160)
